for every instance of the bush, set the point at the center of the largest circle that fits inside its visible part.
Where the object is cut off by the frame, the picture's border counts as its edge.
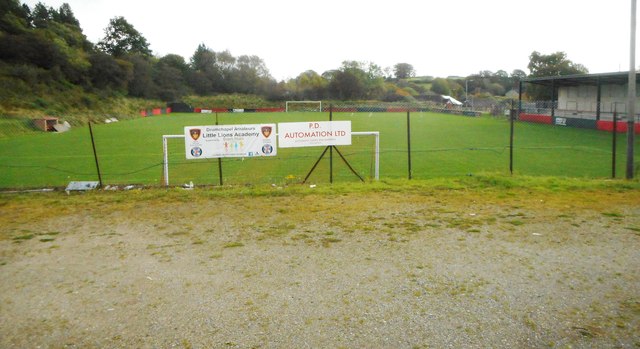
(39, 103)
(87, 102)
(230, 101)
(441, 86)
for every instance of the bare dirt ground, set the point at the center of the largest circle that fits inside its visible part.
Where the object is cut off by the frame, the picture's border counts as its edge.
(435, 269)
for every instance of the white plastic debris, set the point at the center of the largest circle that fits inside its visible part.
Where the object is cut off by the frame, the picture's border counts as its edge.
(63, 127)
(81, 186)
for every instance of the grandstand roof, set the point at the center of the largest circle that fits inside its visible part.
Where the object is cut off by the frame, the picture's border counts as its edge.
(619, 78)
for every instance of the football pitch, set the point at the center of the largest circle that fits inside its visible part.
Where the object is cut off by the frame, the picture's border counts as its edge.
(442, 145)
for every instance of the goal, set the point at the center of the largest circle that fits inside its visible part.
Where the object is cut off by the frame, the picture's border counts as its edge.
(303, 106)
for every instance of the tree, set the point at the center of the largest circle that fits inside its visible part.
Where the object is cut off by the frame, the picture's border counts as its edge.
(41, 15)
(329, 74)
(518, 74)
(502, 77)
(204, 59)
(141, 84)
(515, 77)
(226, 64)
(403, 71)
(250, 74)
(205, 77)
(349, 82)
(374, 82)
(32, 48)
(496, 89)
(121, 38)
(176, 62)
(7, 6)
(456, 89)
(555, 64)
(346, 85)
(440, 86)
(65, 15)
(108, 73)
(358, 80)
(14, 19)
(169, 77)
(310, 85)
(199, 82)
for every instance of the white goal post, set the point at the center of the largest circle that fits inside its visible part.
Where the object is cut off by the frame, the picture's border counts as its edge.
(165, 157)
(375, 134)
(317, 105)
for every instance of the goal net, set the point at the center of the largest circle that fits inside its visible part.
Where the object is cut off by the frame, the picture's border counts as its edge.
(290, 166)
(303, 106)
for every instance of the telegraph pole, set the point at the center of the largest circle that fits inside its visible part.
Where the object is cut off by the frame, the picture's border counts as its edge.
(632, 93)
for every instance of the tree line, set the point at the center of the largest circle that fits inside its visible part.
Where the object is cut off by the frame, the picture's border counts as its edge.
(44, 45)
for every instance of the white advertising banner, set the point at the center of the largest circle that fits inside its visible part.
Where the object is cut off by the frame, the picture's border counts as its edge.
(314, 133)
(226, 141)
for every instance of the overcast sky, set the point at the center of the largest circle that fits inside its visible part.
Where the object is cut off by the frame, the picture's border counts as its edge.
(439, 38)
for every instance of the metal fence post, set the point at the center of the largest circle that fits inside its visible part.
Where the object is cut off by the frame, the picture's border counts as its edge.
(512, 116)
(95, 155)
(219, 160)
(614, 146)
(409, 142)
(330, 148)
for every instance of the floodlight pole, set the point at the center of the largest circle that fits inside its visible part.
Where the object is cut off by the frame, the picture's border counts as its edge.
(466, 90)
(632, 93)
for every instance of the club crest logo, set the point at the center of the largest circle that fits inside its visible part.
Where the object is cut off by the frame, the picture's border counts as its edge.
(196, 152)
(266, 131)
(267, 149)
(195, 133)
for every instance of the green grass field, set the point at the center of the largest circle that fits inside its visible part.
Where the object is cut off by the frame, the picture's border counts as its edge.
(130, 152)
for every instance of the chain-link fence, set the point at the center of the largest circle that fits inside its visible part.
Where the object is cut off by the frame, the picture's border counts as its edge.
(590, 139)
(417, 141)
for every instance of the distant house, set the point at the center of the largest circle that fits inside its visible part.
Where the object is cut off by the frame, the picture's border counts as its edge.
(449, 99)
(512, 94)
(585, 100)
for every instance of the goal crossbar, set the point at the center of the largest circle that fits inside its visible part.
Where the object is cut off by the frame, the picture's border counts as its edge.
(165, 153)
